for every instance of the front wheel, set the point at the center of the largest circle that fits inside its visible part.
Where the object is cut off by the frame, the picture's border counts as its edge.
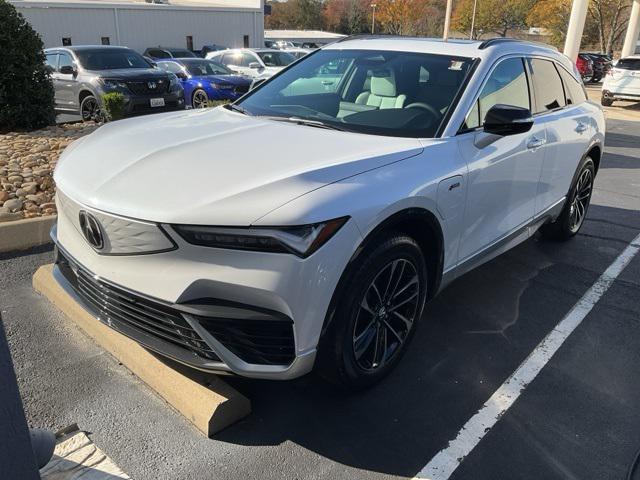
(575, 208)
(90, 109)
(376, 315)
(199, 99)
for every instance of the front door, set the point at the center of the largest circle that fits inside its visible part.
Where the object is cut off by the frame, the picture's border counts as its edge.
(66, 84)
(503, 175)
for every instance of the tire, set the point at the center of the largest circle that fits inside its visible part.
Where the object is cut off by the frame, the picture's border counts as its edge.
(199, 99)
(90, 109)
(596, 78)
(587, 79)
(370, 329)
(575, 208)
(606, 100)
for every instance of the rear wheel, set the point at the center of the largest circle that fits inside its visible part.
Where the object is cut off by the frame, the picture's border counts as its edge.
(606, 100)
(376, 316)
(575, 208)
(199, 99)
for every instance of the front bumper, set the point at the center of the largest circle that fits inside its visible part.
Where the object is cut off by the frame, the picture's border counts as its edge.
(209, 294)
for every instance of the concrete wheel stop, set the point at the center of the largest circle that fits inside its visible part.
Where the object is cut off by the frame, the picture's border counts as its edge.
(203, 399)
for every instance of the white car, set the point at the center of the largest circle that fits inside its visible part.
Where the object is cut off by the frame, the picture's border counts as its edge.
(298, 52)
(257, 62)
(307, 224)
(622, 82)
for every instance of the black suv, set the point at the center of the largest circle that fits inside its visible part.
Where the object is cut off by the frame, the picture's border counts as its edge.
(157, 53)
(83, 74)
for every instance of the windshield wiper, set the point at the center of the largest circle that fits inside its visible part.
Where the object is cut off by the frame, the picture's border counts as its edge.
(309, 123)
(237, 108)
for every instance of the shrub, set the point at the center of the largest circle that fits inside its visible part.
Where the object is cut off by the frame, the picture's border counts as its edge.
(217, 103)
(26, 91)
(113, 105)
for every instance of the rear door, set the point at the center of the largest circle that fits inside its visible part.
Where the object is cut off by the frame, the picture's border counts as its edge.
(559, 106)
(503, 176)
(624, 78)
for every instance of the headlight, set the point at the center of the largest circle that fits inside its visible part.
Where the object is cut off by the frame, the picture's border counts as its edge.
(300, 240)
(222, 86)
(113, 84)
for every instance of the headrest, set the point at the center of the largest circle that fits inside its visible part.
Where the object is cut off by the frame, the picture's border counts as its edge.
(383, 83)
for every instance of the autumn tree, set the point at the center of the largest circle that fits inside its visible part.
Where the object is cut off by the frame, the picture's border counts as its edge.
(296, 14)
(347, 16)
(492, 16)
(401, 17)
(611, 18)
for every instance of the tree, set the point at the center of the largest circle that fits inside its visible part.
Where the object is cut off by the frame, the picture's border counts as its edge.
(296, 14)
(347, 16)
(26, 91)
(401, 17)
(611, 18)
(496, 16)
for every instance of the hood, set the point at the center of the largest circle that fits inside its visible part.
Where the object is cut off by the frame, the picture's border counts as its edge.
(213, 166)
(130, 73)
(237, 80)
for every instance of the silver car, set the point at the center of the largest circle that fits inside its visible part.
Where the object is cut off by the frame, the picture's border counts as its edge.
(83, 74)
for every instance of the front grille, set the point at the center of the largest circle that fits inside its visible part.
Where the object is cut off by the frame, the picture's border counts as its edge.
(108, 302)
(264, 342)
(145, 87)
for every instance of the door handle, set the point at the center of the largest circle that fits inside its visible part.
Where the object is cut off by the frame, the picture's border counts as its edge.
(535, 142)
(581, 127)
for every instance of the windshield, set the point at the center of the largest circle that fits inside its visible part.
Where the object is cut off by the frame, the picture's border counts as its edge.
(629, 63)
(368, 91)
(276, 59)
(100, 59)
(206, 67)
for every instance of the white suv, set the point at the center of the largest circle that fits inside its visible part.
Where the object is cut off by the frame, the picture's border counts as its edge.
(308, 223)
(622, 82)
(257, 62)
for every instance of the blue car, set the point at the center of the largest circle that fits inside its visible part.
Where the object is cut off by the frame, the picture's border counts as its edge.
(205, 80)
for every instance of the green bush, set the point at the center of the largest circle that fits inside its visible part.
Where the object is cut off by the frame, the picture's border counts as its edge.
(26, 91)
(113, 105)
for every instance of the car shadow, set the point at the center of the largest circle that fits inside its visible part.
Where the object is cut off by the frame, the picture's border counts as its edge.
(470, 339)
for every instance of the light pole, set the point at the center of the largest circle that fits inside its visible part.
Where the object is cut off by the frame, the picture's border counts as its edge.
(447, 21)
(373, 18)
(473, 19)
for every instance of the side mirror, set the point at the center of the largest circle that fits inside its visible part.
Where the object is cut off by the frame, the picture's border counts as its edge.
(67, 70)
(182, 76)
(507, 120)
(254, 65)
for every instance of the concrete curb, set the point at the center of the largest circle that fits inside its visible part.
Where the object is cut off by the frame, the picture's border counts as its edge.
(24, 234)
(203, 399)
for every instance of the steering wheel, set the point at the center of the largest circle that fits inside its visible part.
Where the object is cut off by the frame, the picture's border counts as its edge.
(425, 106)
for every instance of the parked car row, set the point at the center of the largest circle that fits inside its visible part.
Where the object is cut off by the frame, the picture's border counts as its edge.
(162, 79)
(593, 66)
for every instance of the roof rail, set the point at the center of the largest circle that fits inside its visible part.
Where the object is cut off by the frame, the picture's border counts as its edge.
(363, 36)
(492, 41)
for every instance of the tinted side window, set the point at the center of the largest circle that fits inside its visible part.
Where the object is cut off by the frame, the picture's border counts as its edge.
(573, 89)
(170, 67)
(52, 61)
(547, 86)
(507, 84)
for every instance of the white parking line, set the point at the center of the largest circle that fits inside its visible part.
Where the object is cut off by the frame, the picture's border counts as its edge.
(447, 460)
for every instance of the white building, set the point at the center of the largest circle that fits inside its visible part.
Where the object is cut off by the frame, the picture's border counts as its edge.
(138, 25)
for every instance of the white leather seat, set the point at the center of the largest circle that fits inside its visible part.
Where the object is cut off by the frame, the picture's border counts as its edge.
(383, 92)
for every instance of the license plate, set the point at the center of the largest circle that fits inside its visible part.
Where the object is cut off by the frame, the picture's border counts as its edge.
(157, 102)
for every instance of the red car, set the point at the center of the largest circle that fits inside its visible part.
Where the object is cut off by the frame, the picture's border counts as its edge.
(585, 67)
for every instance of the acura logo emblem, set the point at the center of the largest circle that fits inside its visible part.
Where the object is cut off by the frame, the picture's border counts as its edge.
(91, 230)
(151, 85)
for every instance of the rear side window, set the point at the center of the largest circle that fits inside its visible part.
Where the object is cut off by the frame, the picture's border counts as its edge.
(573, 88)
(507, 85)
(628, 63)
(547, 86)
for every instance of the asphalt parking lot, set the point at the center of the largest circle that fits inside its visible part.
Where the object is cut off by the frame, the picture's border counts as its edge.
(578, 419)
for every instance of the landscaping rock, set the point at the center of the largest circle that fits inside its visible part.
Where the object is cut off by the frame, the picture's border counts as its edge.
(27, 161)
